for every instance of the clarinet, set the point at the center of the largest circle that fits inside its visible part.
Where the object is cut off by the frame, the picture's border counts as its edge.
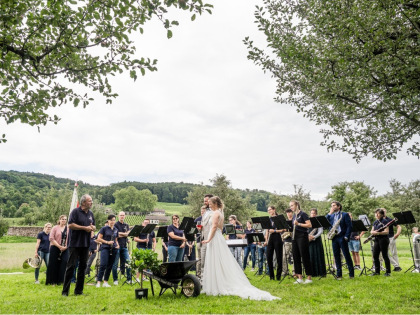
(63, 243)
(380, 229)
(112, 246)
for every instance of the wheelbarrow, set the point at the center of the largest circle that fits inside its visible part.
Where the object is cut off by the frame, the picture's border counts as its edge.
(174, 275)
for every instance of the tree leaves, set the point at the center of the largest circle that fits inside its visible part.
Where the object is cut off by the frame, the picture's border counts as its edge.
(350, 65)
(41, 41)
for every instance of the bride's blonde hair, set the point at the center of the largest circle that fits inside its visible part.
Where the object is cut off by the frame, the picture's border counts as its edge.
(217, 201)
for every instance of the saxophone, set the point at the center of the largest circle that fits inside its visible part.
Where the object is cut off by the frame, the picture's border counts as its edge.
(313, 232)
(333, 231)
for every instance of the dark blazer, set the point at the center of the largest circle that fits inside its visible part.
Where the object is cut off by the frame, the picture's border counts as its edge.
(345, 224)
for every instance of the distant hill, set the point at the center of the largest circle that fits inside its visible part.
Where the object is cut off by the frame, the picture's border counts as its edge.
(17, 188)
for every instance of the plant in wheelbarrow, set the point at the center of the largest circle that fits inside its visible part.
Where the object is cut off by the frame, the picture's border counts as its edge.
(143, 260)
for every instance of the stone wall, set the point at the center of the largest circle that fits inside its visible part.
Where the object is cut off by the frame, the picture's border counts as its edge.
(31, 231)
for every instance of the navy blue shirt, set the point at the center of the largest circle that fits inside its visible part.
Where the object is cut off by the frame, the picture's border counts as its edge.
(391, 227)
(302, 217)
(93, 245)
(122, 227)
(44, 245)
(109, 234)
(143, 236)
(177, 232)
(80, 238)
(379, 224)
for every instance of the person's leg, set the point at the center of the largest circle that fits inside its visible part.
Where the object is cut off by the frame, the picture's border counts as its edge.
(80, 282)
(115, 264)
(347, 257)
(260, 260)
(110, 264)
(198, 265)
(180, 254)
(376, 251)
(304, 253)
(172, 253)
(71, 264)
(89, 263)
(104, 263)
(297, 258)
(253, 258)
(384, 243)
(125, 259)
(393, 257)
(270, 254)
(247, 250)
(337, 255)
(278, 248)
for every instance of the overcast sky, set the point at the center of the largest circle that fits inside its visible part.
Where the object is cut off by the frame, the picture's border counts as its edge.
(207, 110)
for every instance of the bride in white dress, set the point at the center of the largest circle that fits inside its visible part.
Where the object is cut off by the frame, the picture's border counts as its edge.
(222, 274)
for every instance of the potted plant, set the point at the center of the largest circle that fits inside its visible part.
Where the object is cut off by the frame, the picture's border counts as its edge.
(143, 260)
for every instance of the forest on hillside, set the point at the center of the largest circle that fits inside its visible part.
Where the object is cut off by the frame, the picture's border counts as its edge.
(27, 194)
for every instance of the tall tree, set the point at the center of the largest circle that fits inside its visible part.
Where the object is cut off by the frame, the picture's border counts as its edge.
(350, 66)
(49, 46)
(131, 199)
(233, 201)
(356, 197)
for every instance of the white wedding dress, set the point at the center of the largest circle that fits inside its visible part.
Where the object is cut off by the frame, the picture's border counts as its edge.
(222, 274)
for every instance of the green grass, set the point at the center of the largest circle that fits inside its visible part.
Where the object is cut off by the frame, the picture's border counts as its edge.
(375, 295)
(173, 208)
(17, 239)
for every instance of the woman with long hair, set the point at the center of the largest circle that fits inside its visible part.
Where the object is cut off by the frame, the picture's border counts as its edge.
(300, 243)
(58, 252)
(316, 250)
(222, 275)
(42, 248)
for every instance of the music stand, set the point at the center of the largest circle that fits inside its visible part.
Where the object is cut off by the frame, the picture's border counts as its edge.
(257, 226)
(407, 218)
(265, 224)
(148, 229)
(280, 222)
(255, 237)
(364, 218)
(136, 231)
(360, 226)
(162, 232)
(325, 224)
(187, 224)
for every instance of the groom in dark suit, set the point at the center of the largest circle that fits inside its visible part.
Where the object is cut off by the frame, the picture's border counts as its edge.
(341, 239)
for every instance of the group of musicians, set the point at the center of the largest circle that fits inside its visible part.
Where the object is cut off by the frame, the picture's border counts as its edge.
(278, 246)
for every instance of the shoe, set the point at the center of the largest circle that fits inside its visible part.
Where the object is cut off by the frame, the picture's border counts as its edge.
(145, 279)
(374, 274)
(259, 273)
(298, 281)
(307, 281)
(138, 280)
(397, 269)
(357, 267)
(383, 268)
(252, 269)
(98, 285)
(278, 277)
(351, 278)
(36, 282)
(339, 278)
(387, 274)
(116, 282)
(64, 294)
(106, 285)
(129, 282)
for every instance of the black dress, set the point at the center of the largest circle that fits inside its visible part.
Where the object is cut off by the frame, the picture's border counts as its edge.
(316, 254)
(57, 263)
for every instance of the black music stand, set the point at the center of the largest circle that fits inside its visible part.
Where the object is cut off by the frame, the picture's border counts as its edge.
(148, 229)
(280, 222)
(265, 224)
(135, 231)
(255, 237)
(407, 218)
(359, 226)
(187, 224)
(325, 224)
(162, 232)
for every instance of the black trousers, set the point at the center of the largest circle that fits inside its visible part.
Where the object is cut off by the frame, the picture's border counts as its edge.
(81, 254)
(381, 245)
(300, 250)
(275, 244)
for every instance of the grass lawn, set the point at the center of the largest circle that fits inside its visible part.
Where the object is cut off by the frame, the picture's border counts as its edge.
(375, 295)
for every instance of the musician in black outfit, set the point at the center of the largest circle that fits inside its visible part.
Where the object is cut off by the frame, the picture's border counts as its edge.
(300, 243)
(381, 243)
(275, 243)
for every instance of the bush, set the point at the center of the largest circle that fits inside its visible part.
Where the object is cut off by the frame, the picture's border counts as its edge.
(4, 226)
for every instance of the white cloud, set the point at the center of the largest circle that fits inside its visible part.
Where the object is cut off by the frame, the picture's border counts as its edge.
(207, 110)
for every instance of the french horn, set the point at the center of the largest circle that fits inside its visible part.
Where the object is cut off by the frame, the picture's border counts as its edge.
(32, 262)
